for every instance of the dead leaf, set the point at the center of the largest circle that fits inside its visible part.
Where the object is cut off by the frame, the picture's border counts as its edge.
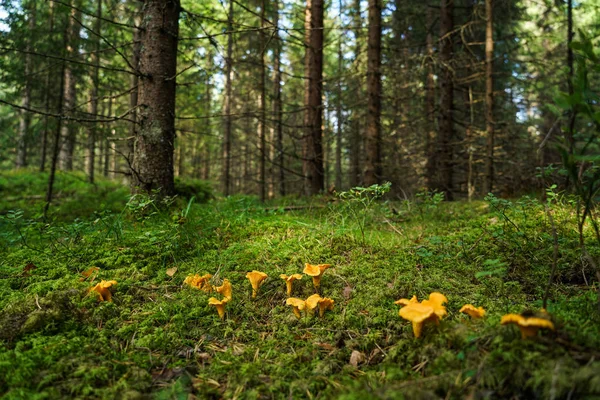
(356, 358)
(88, 272)
(347, 292)
(171, 271)
(326, 346)
(28, 268)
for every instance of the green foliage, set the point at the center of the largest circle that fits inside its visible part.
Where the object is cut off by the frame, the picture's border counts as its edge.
(161, 339)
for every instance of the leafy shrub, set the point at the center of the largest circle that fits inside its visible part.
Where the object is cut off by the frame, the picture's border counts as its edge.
(188, 188)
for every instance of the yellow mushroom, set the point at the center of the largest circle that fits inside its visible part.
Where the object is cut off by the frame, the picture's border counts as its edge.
(297, 305)
(316, 271)
(256, 279)
(325, 304)
(436, 301)
(470, 309)
(103, 290)
(312, 302)
(224, 289)
(528, 326)
(289, 280)
(220, 305)
(405, 302)
(199, 282)
(417, 313)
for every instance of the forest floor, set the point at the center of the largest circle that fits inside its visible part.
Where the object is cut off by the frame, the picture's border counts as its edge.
(159, 338)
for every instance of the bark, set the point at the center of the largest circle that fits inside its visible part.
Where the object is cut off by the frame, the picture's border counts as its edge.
(489, 98)
(313, 117)
(107, 144)
(25, 118)
(277, 104)
(338, 116)
(430, 137)
(207, 140)
(446, 133)
(573, 114)
(93, 104)
(355, 134)
(373, 168)
(262, 152)
(69, 129)
(154, 146)
(226, 151)
(133, 96)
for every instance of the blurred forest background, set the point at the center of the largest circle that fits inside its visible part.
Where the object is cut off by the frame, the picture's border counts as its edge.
(284, 97)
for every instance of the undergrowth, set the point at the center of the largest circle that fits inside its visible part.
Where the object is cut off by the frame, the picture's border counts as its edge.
(161, 339)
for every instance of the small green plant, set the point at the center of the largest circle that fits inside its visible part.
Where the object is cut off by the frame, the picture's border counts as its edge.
(427, 202)
(358, 203)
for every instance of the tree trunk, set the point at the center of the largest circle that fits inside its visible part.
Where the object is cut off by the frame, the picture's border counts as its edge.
(313, 117)
(277, 106)
(69, 129)
(573, 114)
(93, 104)
(226, 152)
(430, 139)
(355, 134)
(262, 119)
(153, 156)
(338, 115)
(373, 169)
(446, 134)
(25, 118)
(133, 96)
(47, 96)
(489, 97)
(107, 133)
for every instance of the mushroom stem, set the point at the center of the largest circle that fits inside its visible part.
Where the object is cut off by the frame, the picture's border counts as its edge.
(417, 327)
(297, 313)
(288, 285)
(254, 293)
(317, 282)
(221, 310)
(528, 331)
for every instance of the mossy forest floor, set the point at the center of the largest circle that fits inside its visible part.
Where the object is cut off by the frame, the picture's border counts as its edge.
(161, 339)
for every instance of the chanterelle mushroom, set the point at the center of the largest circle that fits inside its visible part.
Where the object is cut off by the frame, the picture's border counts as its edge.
(316, 271)
(528, 326)
(313, 301)
(103, 290)
(417, 313)
(474, 312)
(225, 289)
(256, 279)
(289, 280)
(219, 304)
(325, 304)
(436, 301)
(297, 305)
(199, 282)
(405, 302)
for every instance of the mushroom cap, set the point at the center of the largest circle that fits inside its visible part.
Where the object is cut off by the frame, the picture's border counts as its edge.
(107, 284)
(215, 302)
(470, 309)
(290, 278)
(315, 270)
(537, 323)
(416, 312)
(256, 278)
(475, 312)
(326, 303)
(313, 301)
(436, 301)
(438, 298)
(224, 289)
(405, 302)
(197, 281)
(512, 319)
(296, 302)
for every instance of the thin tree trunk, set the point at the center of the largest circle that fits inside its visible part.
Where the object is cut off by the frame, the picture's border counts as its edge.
(69, 130)
(373, 168)
(93, 104)
(226, 152)
(489, 97)
(25, 117)
(107, 144)
(47, 97)
(573, 114)
(355, 134)
(208, 133)
(262, 152)
(313, 117)
(430, 138)
(338, 109)
(446, 134)
(153, 156)
(277, 104)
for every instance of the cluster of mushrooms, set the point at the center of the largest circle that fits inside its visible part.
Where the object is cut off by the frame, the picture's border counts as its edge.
(257, 278)
(431, 310)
